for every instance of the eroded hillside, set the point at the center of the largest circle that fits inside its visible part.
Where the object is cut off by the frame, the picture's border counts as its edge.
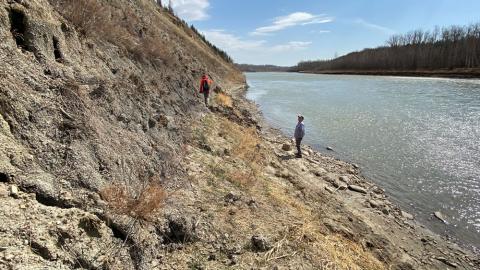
(108, 159)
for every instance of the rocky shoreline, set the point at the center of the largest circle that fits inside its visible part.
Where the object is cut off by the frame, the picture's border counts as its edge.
(359, 197)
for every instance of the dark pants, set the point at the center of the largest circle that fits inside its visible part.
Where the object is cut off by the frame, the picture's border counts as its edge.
(298, 141)
(206, 94)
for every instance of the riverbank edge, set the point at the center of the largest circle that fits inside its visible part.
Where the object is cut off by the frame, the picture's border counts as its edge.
(454, 74)
(421, 234)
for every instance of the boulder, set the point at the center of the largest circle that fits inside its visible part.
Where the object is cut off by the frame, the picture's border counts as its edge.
(260, 243)
(287, 147)
(357, 189)
(375, 203)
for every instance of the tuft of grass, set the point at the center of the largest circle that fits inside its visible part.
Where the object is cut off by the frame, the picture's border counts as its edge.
(224, 100)
(143, 205)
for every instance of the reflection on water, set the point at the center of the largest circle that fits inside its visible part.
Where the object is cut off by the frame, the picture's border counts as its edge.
(419, 138)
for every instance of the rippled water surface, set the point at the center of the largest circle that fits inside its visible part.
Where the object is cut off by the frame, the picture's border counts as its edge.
(418, 138)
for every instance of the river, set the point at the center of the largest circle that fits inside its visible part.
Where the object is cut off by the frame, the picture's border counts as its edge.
(418, 138)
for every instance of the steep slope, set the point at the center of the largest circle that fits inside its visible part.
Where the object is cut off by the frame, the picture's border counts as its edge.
(104, 98)
(108, 160)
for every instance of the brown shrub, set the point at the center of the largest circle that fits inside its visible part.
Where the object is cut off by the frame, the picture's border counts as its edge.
(223, 100)
(144, 205)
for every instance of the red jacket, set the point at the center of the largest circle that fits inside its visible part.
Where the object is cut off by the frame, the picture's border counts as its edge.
(202, 81)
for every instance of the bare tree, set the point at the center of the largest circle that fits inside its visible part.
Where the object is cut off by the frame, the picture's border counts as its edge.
(446, 48)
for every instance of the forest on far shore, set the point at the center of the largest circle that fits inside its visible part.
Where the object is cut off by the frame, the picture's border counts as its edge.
(448, 48)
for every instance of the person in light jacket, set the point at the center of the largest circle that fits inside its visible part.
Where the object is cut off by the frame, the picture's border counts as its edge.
(299, 134)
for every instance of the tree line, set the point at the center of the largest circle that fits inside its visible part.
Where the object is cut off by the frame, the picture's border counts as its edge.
(183, 24)
(454, 47)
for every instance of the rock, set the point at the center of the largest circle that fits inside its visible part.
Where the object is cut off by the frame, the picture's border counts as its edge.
(231, 197)
(329, 189)
(329, 148)
(344, 179)
(3, 249)
(385, 211)
(212, 257)
(375, 203)
(340, 185)
(260, 243)
(286, 147)
(406, 215)
(357, 189)
(14, 191)
(330, 177)
(378, 190)
(447, 262)
(440, 216)
(355, 166)
(319, 171)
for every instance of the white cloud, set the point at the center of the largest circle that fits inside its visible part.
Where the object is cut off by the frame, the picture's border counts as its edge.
(231, 42)
(373, 26)
(190, 10)
(291, 46)
(293, 19)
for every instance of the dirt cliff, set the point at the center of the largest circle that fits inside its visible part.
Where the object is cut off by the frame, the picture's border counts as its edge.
(108, 159)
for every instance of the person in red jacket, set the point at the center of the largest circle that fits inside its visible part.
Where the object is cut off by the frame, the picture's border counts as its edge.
(205, 85)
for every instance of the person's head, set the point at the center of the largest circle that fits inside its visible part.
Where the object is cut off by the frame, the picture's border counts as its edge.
(300, 118)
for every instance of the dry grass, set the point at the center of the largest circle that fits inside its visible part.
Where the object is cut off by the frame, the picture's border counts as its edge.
(224, 100)
(246, 146)
(143, 205)
(119, 26)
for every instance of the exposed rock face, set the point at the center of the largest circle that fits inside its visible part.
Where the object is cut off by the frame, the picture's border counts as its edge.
(90, 120)
(79, 111)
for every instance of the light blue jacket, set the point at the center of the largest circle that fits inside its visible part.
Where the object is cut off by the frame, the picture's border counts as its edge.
(299, 131)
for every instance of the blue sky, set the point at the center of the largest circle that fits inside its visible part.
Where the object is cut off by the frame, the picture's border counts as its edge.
(284, 32)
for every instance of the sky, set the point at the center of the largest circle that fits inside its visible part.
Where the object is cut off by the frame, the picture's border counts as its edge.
(285, 32)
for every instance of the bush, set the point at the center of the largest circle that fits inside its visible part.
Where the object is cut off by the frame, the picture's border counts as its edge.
(223, 100)
(143, 205)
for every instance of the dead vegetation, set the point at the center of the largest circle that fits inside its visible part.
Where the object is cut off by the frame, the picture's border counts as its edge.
(143, 204)
(224, 100)
(118, 25)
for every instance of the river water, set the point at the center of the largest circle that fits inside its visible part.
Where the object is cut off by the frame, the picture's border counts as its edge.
(418, 138)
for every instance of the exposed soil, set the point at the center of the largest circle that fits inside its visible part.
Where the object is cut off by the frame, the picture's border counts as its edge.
(81, 116)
